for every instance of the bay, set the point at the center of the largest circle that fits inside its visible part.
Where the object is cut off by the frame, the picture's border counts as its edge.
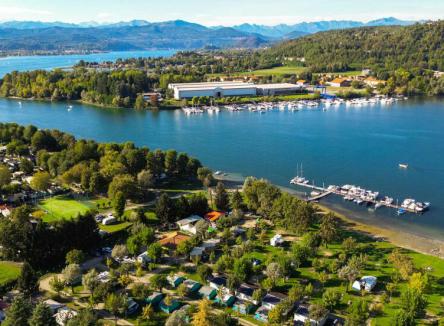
(344, 145)
(48, 62)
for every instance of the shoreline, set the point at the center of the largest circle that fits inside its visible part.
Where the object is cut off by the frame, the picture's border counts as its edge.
(399, 238)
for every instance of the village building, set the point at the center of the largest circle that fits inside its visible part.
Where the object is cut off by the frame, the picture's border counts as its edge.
(373, 82)
(171, 240)
(366, 283)
(207, 292)
(340, 82)
(302, 317)
(189, 224)
(277, 240)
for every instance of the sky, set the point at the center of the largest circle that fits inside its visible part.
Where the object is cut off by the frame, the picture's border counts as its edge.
(219, 12)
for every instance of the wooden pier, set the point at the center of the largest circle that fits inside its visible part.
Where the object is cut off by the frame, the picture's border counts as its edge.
(326, 192)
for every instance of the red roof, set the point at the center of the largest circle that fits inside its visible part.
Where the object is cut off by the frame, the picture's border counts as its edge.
(214, 216)
(173, 239)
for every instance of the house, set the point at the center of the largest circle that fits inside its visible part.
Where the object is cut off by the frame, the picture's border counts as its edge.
(366, 283)
(109, 220)
(243, 306)
(262, 314)
(333, 320)
(154, 299)
(53, 305)
(214, 216)
(366, 72)
(277, 240)
(5, 210)
(171, 240)
(64, 315)
(218, 282)
(173, 306)
(144, 259)
(302, 83)
(340, 82)
(189, 224)
(302, 317)
(197, 252)
(277, 89)
(175, 280)
(133, 307)
(226, 300)
(103, 277)
(272, 299)
(210, 244)
(245, 292)
(192, 286)
(207, 292)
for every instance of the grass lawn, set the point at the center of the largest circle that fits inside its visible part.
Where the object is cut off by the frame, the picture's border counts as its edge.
(63, 207)
(115, 227)
(278, 71)
(8, 272)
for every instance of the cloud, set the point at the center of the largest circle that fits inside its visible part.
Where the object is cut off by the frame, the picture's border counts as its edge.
(22, 13)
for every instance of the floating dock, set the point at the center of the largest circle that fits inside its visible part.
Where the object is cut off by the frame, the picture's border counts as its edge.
(324, 192)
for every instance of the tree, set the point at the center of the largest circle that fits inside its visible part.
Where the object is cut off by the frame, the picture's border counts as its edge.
(28, 282)
(236, 200)
(202, 229)
(119, 203)
(124, 183)
(182, 290)
(202, 317)
(413, 302)
(71, 275)
(317, 312)
(221, 199)
(42, 316)
(85, 317)
(19, 312)
(402, 263)
(358, 313)
(296, 293)
(75, 257)
(204, 271)
(116, 304)
(40, 181)
(419, 282)
(328, 229)
(119, 252)
(165, 209)
(56, 284)
(276, 316)
(90, 280)
(349, 273)
(158, 281)
(331, 298)
(177, 318)
(139, 104)
(403, 318)
(274, 272)
(155, 252)
(145, 179)
(5, 176)
(170, 162)
(26, 166)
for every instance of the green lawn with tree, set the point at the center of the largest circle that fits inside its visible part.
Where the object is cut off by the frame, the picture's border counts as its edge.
(9, 272)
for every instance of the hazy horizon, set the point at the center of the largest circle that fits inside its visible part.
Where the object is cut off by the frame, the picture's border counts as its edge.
(213, 13)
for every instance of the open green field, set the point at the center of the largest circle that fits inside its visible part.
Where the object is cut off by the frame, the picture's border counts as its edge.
(115, 227)
(278, 71)
(8, 272)
(63, 207)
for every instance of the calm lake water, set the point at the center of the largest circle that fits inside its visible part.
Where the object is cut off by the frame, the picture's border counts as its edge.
(355, 145)
(25, 63)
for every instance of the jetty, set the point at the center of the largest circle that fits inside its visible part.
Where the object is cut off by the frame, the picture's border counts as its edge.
(360, 196)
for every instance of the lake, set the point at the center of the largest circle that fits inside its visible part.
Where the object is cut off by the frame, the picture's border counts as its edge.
(344, 145)
(47, 62)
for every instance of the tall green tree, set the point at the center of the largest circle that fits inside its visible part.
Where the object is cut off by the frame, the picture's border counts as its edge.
(221, 199)
(42, 316)
(28, 282)
(119, 203)
(19, 312)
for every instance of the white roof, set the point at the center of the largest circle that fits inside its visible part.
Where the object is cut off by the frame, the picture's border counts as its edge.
(369, 282)
(189, 220)
(211, 86)
(278, 86)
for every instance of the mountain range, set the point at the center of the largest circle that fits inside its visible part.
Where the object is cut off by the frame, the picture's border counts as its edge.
(143, 35)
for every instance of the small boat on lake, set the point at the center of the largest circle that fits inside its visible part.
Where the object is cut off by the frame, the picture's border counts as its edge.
(403, 166)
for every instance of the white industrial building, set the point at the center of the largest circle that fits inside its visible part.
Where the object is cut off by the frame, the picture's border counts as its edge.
(217, 89)
(223, 89)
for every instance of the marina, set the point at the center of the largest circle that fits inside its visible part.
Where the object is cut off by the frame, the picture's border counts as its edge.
(293, 106)
(361, 196)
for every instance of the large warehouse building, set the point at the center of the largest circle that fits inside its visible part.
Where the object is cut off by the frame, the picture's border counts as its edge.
(223, 89)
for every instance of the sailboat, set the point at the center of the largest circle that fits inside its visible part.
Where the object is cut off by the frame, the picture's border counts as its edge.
(403, 166)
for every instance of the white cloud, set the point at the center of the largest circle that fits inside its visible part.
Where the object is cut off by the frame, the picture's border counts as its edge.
(22, 13)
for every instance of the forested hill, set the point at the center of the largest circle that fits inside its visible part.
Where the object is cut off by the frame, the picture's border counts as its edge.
(165, 35)
(382, 48)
